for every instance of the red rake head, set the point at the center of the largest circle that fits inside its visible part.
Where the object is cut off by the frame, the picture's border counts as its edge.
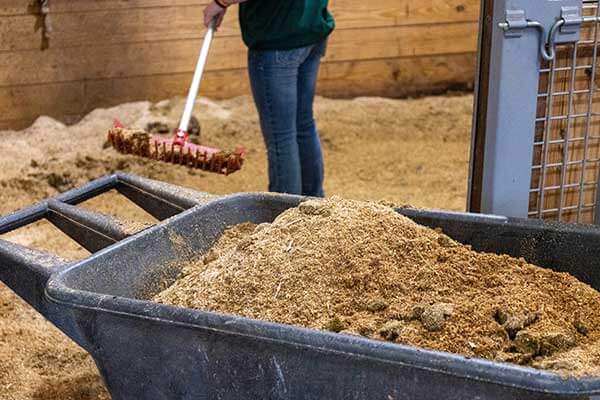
(176, 150)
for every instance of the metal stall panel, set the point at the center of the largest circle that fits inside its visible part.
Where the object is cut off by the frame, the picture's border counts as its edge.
(514, 35)
(536, 132)
(566, 157)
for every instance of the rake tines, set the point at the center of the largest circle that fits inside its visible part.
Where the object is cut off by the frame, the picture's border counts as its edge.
(142, 144)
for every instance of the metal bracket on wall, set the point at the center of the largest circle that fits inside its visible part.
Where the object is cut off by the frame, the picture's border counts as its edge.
(46, 23)
(572, 20)
(515, 23)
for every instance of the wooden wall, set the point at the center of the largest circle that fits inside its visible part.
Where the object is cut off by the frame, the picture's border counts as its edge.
(105, 52)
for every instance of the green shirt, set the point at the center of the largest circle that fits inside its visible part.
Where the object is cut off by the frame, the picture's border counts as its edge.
(284, 24)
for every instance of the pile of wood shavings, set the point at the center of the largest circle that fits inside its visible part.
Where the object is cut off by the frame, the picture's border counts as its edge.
(361, 268)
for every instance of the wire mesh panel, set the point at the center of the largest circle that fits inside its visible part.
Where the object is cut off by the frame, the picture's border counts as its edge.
(566, 157)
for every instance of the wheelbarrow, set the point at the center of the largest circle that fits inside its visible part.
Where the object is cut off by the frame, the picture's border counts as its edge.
(146, 350)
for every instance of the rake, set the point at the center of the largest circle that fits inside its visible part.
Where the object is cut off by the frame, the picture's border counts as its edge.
(178, 150)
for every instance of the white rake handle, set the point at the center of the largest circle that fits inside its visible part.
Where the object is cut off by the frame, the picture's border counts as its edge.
(195, 87)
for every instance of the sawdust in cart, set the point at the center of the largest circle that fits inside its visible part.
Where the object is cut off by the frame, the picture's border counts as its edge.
(362, 269)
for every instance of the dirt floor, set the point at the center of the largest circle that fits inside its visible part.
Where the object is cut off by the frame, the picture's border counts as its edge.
(405, 151)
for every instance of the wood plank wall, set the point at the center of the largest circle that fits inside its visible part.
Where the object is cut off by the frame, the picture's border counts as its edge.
(106, 52)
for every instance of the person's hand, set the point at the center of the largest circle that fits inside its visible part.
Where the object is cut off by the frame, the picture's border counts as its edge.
(216, 12)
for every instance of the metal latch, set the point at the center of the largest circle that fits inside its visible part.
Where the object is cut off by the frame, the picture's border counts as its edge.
(516, 22)
(567, 24)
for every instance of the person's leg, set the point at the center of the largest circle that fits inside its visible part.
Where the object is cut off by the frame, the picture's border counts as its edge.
(311, 155)
(274, 87)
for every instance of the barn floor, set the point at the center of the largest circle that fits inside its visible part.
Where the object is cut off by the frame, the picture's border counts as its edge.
(411, 151)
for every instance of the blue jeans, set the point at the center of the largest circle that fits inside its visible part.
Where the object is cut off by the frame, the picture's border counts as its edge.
(283, 84)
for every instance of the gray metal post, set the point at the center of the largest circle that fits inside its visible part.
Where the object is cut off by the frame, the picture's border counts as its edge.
(515, 59)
